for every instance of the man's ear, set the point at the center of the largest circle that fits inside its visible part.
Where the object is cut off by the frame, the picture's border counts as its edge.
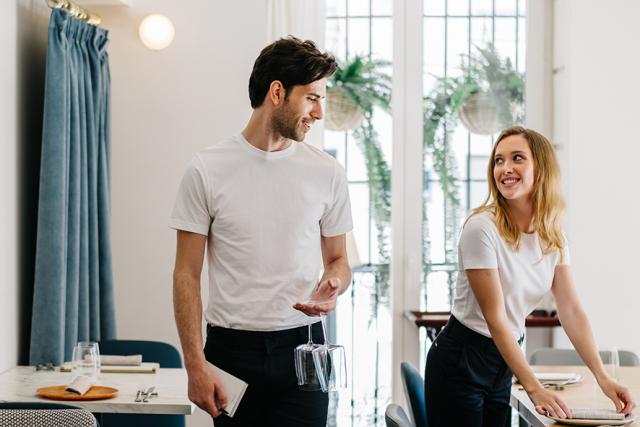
(276, 92)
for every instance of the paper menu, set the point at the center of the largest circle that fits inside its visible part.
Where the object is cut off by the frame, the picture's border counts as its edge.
(233, 386)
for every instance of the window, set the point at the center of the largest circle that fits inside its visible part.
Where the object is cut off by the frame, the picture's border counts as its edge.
(363, 28)
(451, 31)
(454, 30)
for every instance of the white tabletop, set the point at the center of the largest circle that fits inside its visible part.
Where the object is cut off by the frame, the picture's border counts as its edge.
(19, 384)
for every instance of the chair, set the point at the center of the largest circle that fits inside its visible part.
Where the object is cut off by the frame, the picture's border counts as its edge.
(37, 414)
(414, 392)
(567, 357)
(152, 351)
(395, 416)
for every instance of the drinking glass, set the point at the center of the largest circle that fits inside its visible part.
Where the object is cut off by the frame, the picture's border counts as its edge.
(86, 360)
(331, 363)
(611, 361)
(305, 367)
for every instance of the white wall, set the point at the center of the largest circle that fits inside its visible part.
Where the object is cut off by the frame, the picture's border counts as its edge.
(23, 37)
(165, 106)
(597, 109)
(8, 182)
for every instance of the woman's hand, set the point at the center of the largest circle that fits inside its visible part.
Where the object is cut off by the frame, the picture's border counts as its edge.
(549, 403)
(619, 394)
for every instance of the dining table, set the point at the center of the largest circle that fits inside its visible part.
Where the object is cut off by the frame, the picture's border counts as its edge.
(583, 394)
(20, 383)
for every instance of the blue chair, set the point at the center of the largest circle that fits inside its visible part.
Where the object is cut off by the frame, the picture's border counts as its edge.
(44, 414)
(395, 416)
(414, 392)
(152, 351)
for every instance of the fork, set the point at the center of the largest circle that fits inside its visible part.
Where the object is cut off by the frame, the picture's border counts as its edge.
(148, 394)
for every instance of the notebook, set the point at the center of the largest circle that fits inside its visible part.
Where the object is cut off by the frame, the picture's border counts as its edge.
(233, 386)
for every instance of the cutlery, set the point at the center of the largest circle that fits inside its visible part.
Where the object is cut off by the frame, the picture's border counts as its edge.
(138, 396)
(149, 393)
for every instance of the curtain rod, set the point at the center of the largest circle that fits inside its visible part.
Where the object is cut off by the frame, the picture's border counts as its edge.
(75, 11)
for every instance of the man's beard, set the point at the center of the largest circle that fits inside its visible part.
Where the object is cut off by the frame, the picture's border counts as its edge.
(283, 124)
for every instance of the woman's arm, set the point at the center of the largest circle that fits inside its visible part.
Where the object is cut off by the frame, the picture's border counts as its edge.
(486, 287)
(576, 324)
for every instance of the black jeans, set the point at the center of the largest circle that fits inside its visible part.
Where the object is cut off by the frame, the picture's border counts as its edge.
(265, 361)
(467, 382)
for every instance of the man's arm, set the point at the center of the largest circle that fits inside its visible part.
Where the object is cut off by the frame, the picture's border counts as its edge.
(187, 305)
(335, 279)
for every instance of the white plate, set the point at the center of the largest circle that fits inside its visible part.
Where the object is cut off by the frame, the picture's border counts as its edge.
(574, 422)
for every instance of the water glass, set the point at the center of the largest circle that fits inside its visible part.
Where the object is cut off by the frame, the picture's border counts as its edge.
(331, 367)
(86, 360)
(330, 362)
(611, 361)
(305, 367)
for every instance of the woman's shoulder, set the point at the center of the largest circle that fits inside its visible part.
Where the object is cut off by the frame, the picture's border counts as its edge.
(481, 220)
(479, 225)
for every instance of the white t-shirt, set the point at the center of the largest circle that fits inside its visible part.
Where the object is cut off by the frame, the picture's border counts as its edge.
(526, 275)
(264, 214)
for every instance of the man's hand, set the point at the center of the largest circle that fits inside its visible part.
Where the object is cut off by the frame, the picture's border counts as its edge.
(323, 300)
(206, 391)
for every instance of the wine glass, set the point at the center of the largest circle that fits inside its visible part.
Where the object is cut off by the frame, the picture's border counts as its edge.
(305, 367)
(86, 360)
(330, 362)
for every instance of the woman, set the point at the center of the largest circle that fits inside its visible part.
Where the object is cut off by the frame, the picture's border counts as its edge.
(511, 252)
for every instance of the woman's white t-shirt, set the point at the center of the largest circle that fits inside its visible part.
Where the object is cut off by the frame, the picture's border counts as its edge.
(525, 276)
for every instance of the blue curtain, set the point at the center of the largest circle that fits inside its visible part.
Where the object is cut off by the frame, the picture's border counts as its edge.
(73, 289)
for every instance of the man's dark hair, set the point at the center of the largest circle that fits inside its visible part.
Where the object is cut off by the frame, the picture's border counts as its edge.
(291, 61)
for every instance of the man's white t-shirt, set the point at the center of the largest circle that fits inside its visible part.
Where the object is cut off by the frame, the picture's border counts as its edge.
(526, 275)
(264, 214)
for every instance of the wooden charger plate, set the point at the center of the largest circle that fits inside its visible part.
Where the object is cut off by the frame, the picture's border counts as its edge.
(58, 392)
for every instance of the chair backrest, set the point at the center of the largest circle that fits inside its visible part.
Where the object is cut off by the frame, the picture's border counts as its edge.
(414, 392)
(152, 351)
(566, 357)
(44, 414)
(395, 416)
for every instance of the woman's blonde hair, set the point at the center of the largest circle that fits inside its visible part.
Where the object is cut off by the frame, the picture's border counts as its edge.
(548, 204)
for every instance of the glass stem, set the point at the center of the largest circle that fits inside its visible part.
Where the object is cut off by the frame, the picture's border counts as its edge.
(324, 328)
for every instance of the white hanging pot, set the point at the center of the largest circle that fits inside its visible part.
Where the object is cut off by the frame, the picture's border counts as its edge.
(342, 113)
(479, 114)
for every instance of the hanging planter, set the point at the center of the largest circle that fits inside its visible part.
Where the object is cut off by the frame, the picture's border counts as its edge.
(342, 112)
(479, 114)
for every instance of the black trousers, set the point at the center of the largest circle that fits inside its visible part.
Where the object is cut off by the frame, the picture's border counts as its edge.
(265, 361)
(467, 382)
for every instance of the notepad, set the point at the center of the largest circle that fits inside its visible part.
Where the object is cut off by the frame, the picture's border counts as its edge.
(233, 386)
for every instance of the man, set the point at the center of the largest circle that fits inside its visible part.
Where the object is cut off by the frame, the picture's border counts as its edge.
(268, 208)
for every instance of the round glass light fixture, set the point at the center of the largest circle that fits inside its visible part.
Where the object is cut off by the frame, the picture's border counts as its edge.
(156, 31)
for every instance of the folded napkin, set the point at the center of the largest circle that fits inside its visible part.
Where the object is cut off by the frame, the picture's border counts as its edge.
(557, 376)
(595, 414)
(132, 360)
(80, 384)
